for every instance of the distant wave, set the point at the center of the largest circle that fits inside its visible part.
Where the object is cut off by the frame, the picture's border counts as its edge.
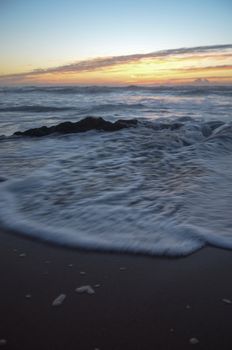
(60, 89)
(185, 90)
(117, 107)
(34, 109)
(202, 91)
(99, 108)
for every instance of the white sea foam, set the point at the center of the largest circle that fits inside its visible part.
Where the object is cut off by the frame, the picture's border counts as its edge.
(163, 188)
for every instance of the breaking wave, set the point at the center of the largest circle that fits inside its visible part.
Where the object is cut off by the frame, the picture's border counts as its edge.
(162, 188)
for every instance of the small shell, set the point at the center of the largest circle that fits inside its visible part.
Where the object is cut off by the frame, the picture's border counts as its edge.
(193, 341)
(227, 301)
(85, 289)
(3, 342)
(59, 300)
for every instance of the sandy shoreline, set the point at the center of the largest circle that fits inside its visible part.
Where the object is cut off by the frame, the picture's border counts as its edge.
(142, 302)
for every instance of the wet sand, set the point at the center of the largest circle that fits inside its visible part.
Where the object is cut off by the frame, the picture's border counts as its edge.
(142, 303)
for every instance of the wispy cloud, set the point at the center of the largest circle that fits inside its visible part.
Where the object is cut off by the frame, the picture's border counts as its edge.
(223, 67)
(103, 63)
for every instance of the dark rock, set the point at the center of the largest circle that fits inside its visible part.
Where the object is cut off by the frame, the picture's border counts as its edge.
(186, 143)
(214, 124)
(206, 130)
(176, 126)
(86, 124)
(209, 127)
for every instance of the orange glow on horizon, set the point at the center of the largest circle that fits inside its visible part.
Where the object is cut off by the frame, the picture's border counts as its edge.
(216, 67)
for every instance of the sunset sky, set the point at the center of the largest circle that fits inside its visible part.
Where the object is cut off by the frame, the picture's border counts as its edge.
(115, 43)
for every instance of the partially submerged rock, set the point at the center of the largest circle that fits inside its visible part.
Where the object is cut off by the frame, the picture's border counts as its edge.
(86, 124)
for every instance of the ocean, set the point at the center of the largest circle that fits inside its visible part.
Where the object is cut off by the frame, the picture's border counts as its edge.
(163, 187)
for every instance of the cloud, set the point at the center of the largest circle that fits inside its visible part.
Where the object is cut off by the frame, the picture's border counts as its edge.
(113, 61)
(206, 68)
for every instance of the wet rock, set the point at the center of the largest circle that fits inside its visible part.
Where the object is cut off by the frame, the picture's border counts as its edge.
(185, 143)
(209, 127)
(206, 130)
(214, 124)
(86, 124)
(176, 126)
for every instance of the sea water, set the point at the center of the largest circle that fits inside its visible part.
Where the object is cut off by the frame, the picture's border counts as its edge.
(161, 188)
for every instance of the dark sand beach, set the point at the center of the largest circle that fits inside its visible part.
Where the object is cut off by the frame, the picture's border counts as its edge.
(142, 302)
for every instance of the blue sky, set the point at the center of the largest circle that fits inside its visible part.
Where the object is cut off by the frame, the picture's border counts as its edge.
(47, 33)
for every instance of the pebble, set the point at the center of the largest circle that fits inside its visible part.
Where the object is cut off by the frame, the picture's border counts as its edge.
(3, 342)
(28, 296)
(97, 285)
(188, 307)
(122, 268)
(70, 265)
(85, 289)
(59, 300)
(227, 301)
(82, 273)
(22, 255)
(193, 341)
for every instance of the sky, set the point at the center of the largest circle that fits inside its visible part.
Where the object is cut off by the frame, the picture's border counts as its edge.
(115, 42)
